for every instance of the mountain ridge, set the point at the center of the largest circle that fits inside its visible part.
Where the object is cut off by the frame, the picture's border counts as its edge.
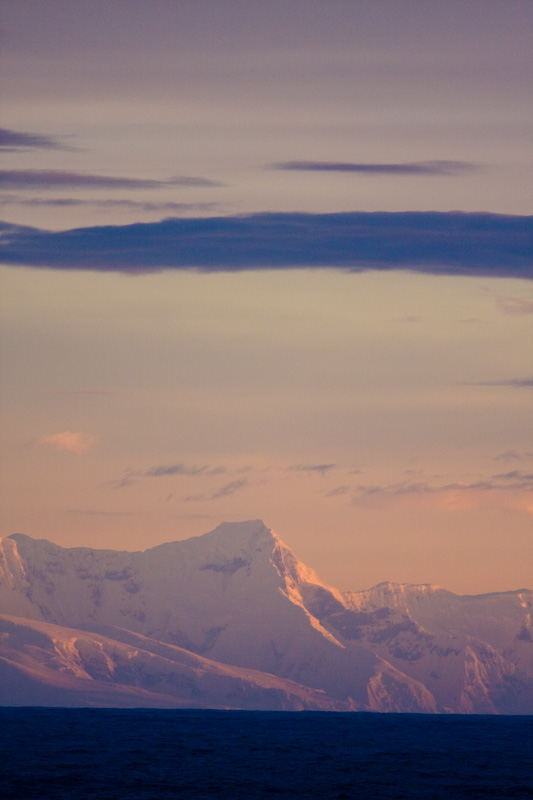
(239, 597)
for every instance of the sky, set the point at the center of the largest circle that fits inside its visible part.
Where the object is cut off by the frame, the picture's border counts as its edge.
(272, 260)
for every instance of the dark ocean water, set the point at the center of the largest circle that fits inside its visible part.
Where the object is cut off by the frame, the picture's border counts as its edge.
(154, 755)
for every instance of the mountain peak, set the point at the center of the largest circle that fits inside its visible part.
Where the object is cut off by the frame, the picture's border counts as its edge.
(239, 597)
(238, 533)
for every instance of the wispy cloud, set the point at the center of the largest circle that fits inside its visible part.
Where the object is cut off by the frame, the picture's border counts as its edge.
(517, 383)
(507, 491)
(508, 455)
(85, 392)
(520, 479)
(121, 483)
(230, 488)
(441, 168)
(514, 305)
(181, 469)
(72, 202)
(68, 441)
(320, 468)
(131, 476)
(338, 491)
(95, 512)
(19, 140)
(427, 242)
(513, 455)
(59, 179)
(410, 319)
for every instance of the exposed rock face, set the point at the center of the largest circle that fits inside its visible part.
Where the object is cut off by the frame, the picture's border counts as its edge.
(238, 596)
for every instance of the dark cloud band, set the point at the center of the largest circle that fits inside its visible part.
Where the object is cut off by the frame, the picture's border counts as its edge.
(433, 243)
(18, 140)
(440, 168)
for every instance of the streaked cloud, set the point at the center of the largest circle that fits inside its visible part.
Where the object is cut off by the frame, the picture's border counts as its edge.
(498, 491)
(514, 305)
(508, 455)
(73, 202)
(85, 392)
(443, 168)
(513, 455)
(515, 475)
(95, 512)
(60, 179)
(517, 383)
(121, 483)
(181, 469)
(319, 468)
(68, 441)
(19, 140)
(338, 491)
(451, 243)
(230, 488)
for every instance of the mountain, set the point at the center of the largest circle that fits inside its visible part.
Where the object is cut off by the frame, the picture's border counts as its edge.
(50, 665)
(232, 619)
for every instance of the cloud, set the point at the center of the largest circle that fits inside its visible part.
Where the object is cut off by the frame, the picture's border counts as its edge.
(90, 512)
(69, 441)
(85, 392)
(72, 202)
(410, 319)
(514, 305)
(520, 479)
(17, 140)
(121, 483)
(340, 490)
(508, 455)
(441, 168)
(60, 179)
(181, 469)
(512, 455)
(320, 468)
(451, 243)
(131, 476)
(230, 488)
(517, 383)
(513, 493)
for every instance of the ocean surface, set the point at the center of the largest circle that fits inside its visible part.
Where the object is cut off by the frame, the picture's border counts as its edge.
(153, 755)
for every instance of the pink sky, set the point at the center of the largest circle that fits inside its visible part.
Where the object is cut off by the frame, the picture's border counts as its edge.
(379, 421)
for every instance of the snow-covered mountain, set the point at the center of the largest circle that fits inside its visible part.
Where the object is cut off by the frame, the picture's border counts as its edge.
(44, 664)
(233, 619)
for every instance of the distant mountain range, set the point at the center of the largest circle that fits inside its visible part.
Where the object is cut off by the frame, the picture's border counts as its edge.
(232, 619)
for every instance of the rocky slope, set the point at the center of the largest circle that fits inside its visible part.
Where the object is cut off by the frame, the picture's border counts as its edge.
(238, 596)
